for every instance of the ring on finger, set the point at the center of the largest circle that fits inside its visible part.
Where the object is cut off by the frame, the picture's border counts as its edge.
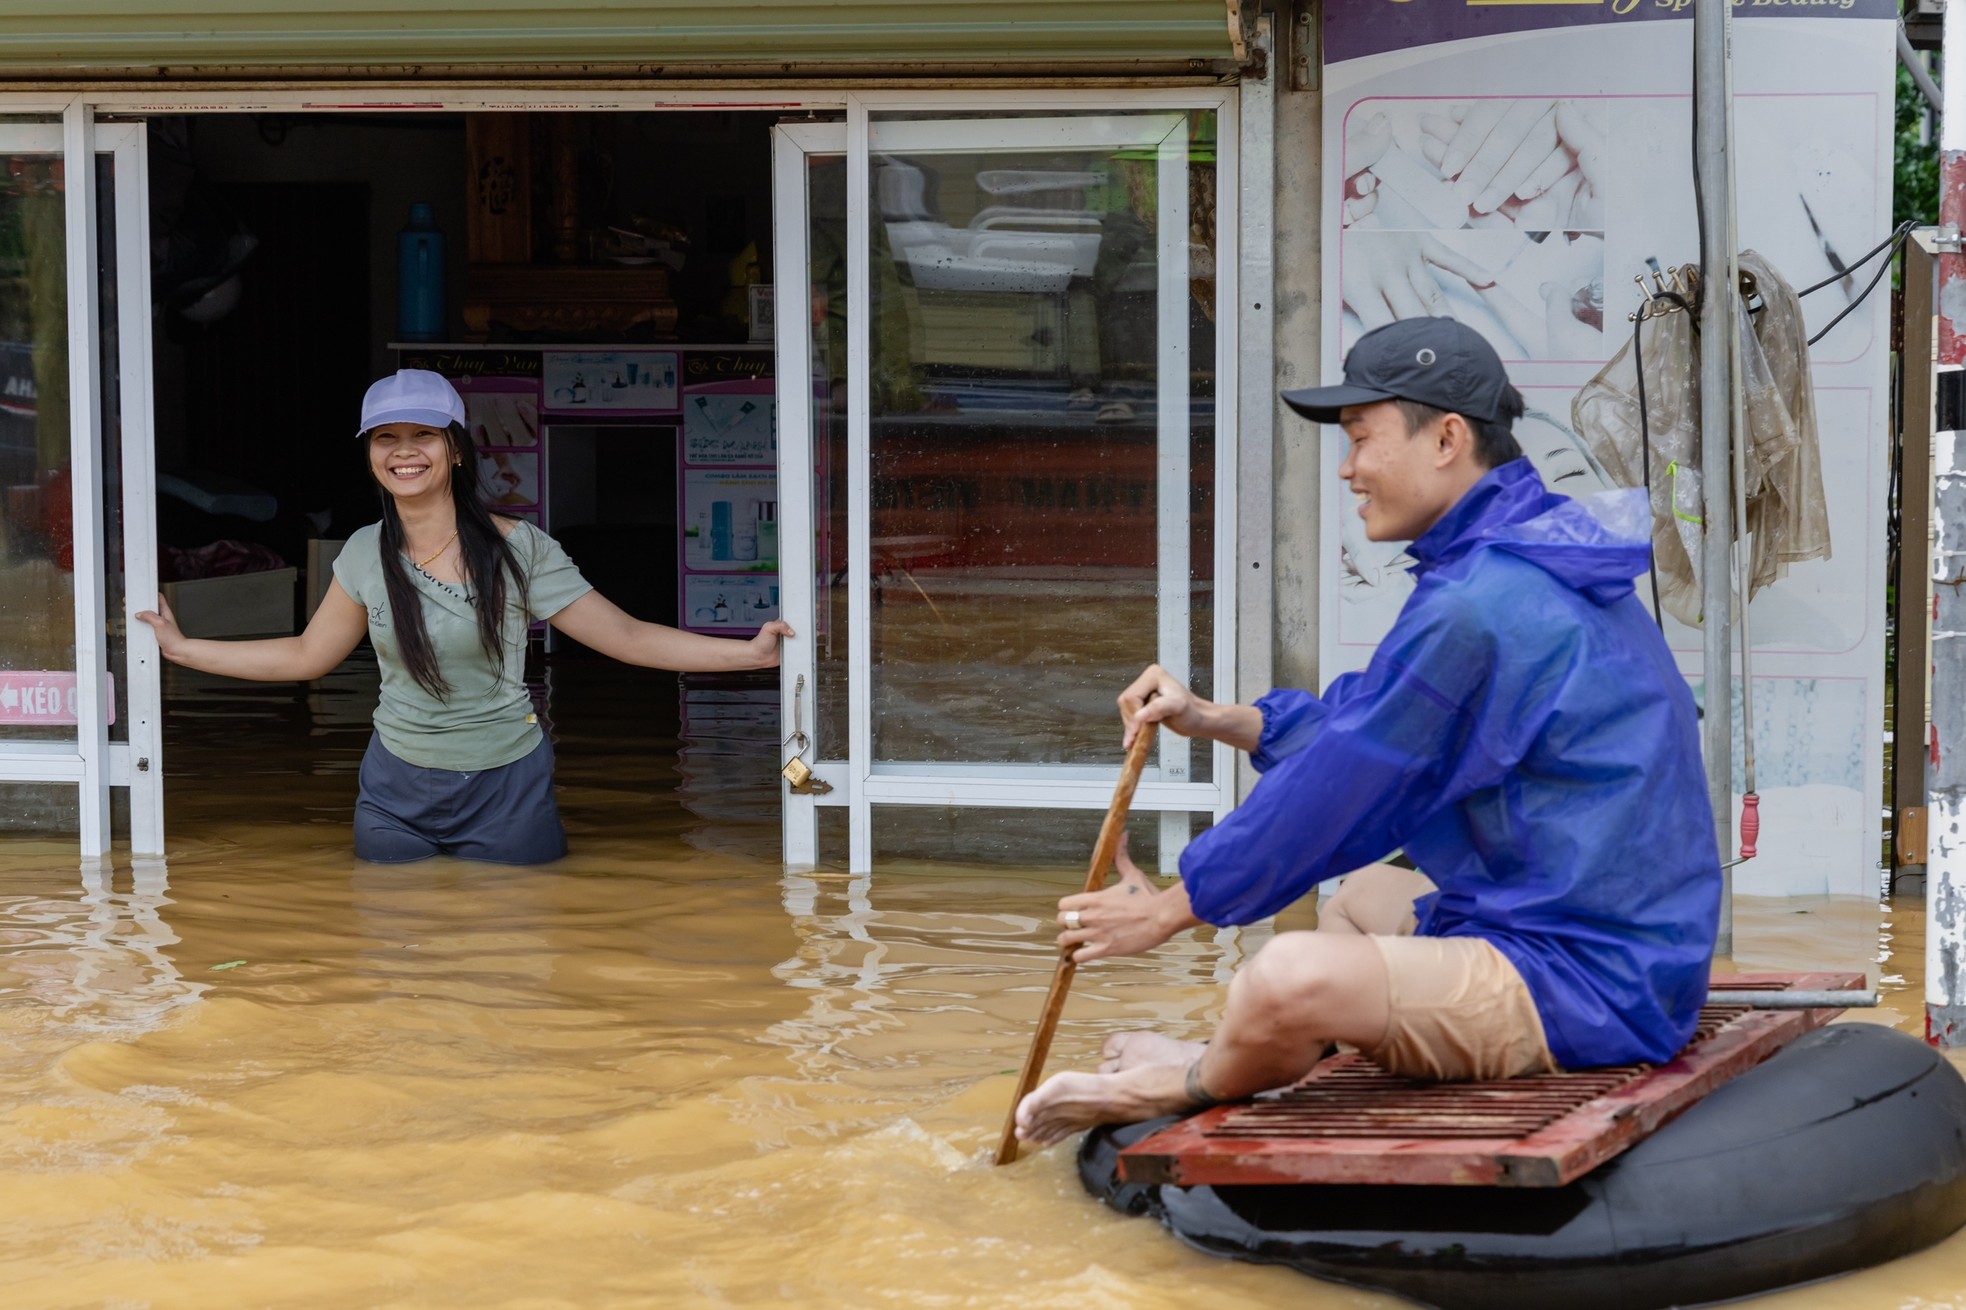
(1071, 918)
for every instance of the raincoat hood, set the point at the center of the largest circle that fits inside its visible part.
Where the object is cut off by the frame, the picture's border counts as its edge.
(1597, 545)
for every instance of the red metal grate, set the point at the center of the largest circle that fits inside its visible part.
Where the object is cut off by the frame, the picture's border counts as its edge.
(1350, 1121)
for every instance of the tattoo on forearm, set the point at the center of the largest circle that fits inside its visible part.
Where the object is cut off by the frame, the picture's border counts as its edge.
(1197, 1093)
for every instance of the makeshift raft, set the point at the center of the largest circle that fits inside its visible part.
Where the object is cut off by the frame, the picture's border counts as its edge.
(1772, 1151)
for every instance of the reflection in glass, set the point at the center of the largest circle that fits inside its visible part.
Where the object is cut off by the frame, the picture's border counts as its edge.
(37, 548)
(109, 337)
(1031, 321)
(827, 259)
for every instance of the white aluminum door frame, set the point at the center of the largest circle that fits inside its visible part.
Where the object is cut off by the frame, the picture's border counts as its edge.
(1144, 119)
(792, 145)
(139, 765)
(91, 762)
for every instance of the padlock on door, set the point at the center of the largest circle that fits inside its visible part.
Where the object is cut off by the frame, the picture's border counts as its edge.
(804, 781)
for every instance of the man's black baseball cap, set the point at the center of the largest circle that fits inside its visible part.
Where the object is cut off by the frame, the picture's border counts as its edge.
(1437, 361)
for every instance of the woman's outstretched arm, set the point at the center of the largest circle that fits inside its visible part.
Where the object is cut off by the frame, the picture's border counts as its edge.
(330, 636)
(596, 622)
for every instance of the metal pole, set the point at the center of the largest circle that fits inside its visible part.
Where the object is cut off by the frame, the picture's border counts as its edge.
(1711, 35)
(1945, 881)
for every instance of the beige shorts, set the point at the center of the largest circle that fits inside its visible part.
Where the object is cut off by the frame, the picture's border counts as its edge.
(1458, 1009)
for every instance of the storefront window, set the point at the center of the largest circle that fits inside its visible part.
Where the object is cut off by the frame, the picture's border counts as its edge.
(1042, 428)
(37, 548)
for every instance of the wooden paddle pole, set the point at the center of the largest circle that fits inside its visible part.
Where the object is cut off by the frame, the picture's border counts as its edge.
(1061, 979)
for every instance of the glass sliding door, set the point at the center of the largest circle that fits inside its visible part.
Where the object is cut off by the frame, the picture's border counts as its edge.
(75, 537)
(1031, 441)
(810, 222)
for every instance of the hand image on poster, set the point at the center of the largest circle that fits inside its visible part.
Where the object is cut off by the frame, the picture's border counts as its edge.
(510, 477)
(1427, 165)
(1534, 295)
(502, 419)
(1489, 211)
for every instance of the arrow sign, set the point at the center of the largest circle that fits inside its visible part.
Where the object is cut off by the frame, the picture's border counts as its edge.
(44, 697)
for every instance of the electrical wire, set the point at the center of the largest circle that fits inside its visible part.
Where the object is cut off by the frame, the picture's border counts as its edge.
(1645, 455)
(1699, 197)
(1891, 242)
(1897, 235)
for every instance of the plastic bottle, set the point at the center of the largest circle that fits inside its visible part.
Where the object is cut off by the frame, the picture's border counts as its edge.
(420, 277)
(720, 529)
(744, 533)
(768, 534)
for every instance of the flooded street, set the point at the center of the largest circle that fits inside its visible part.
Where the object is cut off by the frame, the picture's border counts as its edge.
(659, 1072)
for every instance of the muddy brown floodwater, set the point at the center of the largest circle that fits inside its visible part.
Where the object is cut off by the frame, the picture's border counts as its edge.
(659, 1072)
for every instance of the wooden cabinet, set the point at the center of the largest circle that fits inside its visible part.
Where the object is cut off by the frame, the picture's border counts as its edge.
(530, 274)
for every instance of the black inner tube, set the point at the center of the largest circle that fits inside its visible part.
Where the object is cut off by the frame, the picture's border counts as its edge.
(1845, 1150)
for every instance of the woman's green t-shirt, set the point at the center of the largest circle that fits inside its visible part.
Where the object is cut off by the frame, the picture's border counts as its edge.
(487, 719)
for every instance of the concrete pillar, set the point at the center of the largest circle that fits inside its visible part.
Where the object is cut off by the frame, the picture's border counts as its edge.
(1299, 292)
(1945, 894)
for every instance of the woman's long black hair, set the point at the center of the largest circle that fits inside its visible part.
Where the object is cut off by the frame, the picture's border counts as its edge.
(488, 560)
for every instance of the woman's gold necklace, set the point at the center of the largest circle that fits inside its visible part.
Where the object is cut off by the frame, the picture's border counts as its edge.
(440, 550)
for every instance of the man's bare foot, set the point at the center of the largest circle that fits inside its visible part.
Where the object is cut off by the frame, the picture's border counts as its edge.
(1125, 1051)
(1072, 1102)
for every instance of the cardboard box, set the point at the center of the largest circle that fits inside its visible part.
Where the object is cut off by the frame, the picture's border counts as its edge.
(321, 555)
(247, 605)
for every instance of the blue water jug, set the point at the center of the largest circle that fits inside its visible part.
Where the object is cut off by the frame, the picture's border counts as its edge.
(420, 278)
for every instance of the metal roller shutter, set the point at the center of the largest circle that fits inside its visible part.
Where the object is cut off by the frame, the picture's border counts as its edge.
(242, 38)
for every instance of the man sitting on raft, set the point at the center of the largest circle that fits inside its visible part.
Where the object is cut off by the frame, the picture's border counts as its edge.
(1521, 734)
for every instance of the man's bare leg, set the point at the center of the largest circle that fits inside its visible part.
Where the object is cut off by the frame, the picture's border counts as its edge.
(1376, 899)
(1124, 1051)
(1301, 991)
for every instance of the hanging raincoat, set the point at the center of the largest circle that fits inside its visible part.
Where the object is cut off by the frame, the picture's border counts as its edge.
(1788, 517)
(1523, 734)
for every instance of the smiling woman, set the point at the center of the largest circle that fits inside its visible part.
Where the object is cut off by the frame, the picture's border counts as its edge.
(445, 590)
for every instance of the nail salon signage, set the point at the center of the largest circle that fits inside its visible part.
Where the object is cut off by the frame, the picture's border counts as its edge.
(44, 698)
(1515, 166)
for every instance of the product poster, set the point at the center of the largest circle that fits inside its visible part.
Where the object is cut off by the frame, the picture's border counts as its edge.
(502, 412)
(727, 469)
(725, 602)
(623, 383)
(1516, 166)
(732, 424)
(730, 548)
(510, 478)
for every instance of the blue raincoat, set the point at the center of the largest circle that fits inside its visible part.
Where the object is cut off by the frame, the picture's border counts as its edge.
(1523, 734)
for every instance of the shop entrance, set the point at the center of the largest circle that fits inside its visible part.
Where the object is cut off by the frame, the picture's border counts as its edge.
(973, 456)
(594, 284)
